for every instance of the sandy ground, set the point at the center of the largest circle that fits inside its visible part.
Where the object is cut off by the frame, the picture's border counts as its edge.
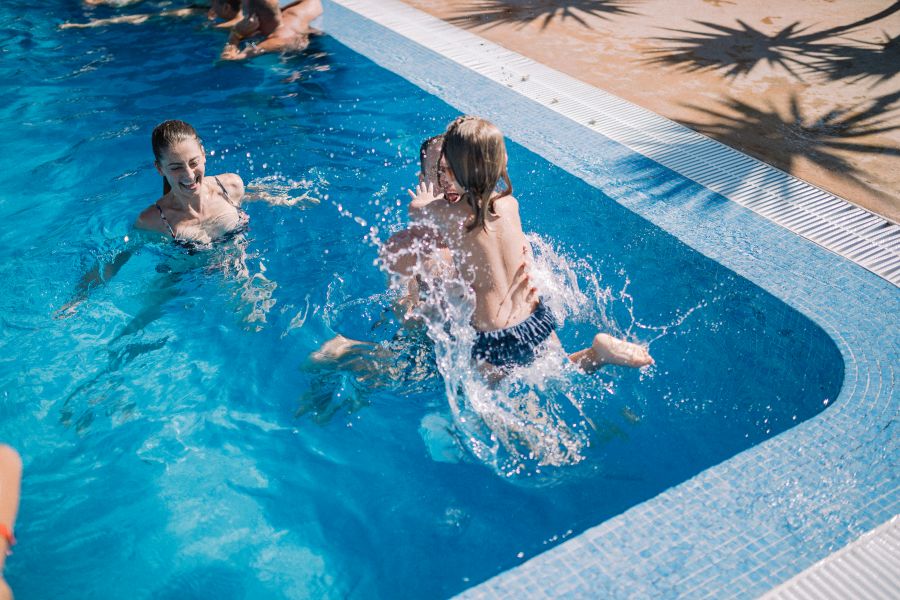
(809, 86)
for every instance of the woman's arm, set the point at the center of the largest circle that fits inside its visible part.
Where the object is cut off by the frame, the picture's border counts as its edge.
(281, 197)
(103, 271)
(100, 274)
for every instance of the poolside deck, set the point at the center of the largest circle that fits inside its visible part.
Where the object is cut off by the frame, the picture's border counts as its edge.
(810, 87)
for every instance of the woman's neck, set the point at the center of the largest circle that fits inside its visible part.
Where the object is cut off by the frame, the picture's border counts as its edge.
(189, 203)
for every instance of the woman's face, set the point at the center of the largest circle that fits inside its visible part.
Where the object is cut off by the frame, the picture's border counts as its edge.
(183, 164)
(447, 182)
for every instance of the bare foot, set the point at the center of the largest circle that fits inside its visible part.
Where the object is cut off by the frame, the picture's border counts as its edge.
(336, 349)
(607, 350)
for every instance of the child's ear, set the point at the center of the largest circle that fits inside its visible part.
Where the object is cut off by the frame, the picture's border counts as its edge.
(158, 168)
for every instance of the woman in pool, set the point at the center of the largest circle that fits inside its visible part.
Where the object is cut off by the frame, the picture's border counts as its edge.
(10, 476)
(483, 232)
(194, 209)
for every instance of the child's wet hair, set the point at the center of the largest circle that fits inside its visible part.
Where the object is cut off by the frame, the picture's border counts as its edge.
(476, 153)
(167, 134)
(423, 154)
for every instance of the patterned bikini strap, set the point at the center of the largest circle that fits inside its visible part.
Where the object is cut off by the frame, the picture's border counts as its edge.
(162, 216)
(224, 191)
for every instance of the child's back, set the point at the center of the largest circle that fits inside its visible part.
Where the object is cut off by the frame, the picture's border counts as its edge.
(489, 259)
(483, 231)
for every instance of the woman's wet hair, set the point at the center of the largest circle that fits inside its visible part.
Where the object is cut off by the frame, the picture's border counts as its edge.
(475, 152)
(167, 134)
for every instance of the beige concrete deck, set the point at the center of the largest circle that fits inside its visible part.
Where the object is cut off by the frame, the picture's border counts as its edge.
(809, 86)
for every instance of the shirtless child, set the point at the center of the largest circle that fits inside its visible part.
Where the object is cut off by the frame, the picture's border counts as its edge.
(284, 29)
(438, 237)
(483, 232)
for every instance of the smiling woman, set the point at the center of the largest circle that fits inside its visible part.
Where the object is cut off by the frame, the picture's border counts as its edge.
(193, 209)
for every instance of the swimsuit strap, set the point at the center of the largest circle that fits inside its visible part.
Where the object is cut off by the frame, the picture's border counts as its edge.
(162, 216)
(224, 191)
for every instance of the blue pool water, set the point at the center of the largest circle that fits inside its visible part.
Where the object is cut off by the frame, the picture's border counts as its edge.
(175, 446)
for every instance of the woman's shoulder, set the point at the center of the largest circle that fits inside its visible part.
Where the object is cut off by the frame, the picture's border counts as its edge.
(233, 184)
(151, 218)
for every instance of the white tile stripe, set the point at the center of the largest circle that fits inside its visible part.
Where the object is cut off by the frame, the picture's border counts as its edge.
(819, 216)
(867, 568)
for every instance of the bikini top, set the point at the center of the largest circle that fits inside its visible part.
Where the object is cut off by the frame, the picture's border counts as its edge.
(193, 245)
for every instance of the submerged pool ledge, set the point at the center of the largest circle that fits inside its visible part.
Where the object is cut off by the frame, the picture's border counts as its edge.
(756, 520)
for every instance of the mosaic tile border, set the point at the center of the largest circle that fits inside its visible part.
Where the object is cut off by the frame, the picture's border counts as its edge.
(750, 523)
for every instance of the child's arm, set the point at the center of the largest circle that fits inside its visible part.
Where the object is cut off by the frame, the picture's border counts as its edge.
(403, 250)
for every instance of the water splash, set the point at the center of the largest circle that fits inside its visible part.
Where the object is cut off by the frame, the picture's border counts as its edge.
(534, 417)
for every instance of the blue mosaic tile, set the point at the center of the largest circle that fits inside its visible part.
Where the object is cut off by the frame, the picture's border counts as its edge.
(757, 519)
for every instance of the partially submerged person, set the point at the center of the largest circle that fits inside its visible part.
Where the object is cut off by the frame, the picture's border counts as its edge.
(194, 209)
(283, 29)
(406, 256)
(448, 237)
(418, 248)
(229, 11)
(483, 232)
(10, 482)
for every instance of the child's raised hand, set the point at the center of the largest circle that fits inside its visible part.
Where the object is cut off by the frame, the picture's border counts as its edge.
(423, 196)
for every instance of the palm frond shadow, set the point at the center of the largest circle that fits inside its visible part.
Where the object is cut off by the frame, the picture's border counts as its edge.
(778, 137)
(861, 61)
(737, 50)
(824, 139)
(492, 13)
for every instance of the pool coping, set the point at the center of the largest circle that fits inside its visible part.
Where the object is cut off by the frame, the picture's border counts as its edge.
(746, 525)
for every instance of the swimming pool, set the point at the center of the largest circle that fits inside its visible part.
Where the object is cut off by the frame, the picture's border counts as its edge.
(158, 423)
